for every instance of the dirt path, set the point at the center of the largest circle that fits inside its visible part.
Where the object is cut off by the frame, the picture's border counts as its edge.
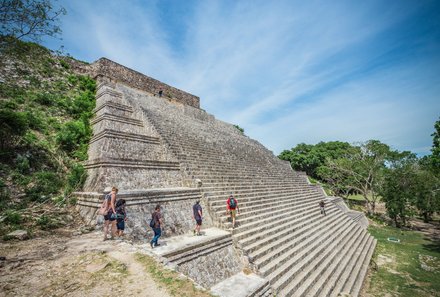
(74, 266)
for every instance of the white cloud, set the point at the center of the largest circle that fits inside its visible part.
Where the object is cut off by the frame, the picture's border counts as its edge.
(252, 62)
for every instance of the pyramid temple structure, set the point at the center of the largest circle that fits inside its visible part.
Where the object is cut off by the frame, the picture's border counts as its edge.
(167, 150)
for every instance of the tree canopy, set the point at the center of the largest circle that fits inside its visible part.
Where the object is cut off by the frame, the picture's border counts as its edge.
(30, 19)
(309, 158)
(408, 185)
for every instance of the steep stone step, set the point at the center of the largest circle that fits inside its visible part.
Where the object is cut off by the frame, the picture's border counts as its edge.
(302, 260)
(262, 225)
(293, 247)
(256, 201)
(355, 282)
(260, 194)
(279, 200)
(343, 270)
(267, 210)
(311, 286)
(259, 240)
(288, 235)
(219, 192)
(192, 252)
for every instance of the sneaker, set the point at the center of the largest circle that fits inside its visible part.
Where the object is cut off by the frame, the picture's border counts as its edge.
(157, 244)
(151, 244)
(194, 232)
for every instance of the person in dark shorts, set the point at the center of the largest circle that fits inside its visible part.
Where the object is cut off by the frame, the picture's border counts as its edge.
(197, 215)
(232, 208)
(110, 216)
(121, 217)
(156, 217)
(322, 207)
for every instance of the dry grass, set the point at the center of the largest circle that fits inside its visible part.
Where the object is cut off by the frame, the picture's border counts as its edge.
(175, 284)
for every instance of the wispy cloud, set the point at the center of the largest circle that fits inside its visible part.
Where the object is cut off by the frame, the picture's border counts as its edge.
(287, 72)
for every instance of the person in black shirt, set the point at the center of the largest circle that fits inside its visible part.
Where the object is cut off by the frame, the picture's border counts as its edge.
(197, 215)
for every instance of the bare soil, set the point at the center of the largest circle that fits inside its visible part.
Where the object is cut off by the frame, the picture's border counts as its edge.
(66, 265)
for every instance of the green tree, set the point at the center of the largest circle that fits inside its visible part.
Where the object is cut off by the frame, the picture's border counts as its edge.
(361, 170)
(435, 157)
(427, 193)
(309, 158)
(400, 188)
(30, 19)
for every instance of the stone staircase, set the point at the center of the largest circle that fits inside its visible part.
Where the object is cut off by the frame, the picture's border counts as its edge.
(280, 228)
(168, 151)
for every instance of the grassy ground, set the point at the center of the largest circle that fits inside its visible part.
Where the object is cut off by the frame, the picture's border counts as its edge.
(409, 268)
(359, 197)
(174, 284)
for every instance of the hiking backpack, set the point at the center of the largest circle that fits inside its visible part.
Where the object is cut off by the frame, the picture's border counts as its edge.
(105, 204)
(232, 203)
(153, 220)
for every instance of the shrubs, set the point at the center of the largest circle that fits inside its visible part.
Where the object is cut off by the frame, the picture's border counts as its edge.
(14, 124)
(44, 184)
(22, 164)
(70, 135)
(12, 217)
(76, 178)
(47, 223)
(45, 111)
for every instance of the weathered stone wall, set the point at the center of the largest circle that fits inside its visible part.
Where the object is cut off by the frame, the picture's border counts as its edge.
(119, 73)
(213, 267)
(176, 207)
(126, 151)
(125, 177)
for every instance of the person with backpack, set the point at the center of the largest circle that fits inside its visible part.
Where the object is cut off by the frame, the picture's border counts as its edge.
(197, 215)
(232, 208)
(109, 212)
(121, 217)
(156, 223)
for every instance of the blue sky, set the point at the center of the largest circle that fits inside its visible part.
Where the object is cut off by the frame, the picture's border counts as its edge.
(286, 71)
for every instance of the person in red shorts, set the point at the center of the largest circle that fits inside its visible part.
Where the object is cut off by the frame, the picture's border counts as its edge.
(232, 208)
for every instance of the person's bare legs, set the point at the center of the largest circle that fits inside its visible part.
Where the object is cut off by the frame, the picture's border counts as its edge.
(114, 230)
(106, 223)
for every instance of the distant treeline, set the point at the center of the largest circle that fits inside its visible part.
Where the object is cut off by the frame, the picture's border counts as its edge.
(408, 185)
